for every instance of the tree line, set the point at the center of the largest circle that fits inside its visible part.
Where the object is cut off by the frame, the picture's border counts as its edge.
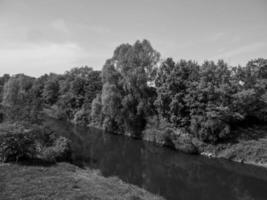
(136, 85)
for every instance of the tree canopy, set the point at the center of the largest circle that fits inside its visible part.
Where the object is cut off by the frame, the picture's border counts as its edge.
(207, 100)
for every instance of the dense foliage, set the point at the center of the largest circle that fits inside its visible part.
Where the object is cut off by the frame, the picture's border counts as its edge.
(36, 143)
(67, 96)
(20, 99)
(77, 89)
(208, 99)
(135, 86)
(126, 99)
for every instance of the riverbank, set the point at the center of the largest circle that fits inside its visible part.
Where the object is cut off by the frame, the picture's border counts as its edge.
(249, 146)
(162, 170)
(64, 181)
(40, 176)
(247, 151)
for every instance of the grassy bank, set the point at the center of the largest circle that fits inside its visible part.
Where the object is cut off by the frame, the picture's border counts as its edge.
(64, 181)
(249, 145)
(247, 150)
(41, 177)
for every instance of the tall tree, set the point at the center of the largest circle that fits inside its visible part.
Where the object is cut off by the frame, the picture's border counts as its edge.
(125, 77)
(51, 90)
(3, 80)
(20, 100)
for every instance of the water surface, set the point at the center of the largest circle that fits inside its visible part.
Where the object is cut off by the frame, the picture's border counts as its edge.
(173, 175)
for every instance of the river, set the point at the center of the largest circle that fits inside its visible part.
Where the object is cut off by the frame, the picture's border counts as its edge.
(171, 174)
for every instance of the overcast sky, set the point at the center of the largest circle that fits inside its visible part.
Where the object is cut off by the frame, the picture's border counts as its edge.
(42, 36)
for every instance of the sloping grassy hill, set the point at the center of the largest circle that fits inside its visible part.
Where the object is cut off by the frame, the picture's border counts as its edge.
(64, 181)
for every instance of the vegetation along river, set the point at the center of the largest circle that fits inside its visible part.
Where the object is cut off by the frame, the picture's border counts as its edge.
(162, 171)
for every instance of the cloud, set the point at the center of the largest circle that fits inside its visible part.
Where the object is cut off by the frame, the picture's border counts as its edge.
(14, 34)
(33, 59)
(99, 29)
(241, 50)
(38, 59)
(216, 37)
(40, 51)
(60, 25)
(55, 31)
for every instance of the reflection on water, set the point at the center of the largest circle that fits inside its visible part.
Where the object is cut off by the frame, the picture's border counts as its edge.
(171, 174)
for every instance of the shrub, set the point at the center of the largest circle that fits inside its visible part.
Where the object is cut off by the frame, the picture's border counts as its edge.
(209, 130)
(16, 146)
(179, 139)
(81, 117)
(37, 143)
(168, 136)
(55, 112)
(59, 151)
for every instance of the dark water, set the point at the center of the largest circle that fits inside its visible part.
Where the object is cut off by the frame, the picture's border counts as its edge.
(171, 174)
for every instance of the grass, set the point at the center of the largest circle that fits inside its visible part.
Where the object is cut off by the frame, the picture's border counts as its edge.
(250, 147)
(37, 179)
(251, 151)
(64, 181)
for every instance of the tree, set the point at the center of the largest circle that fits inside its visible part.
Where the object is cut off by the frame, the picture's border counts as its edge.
(96, 111)
(51, 90)
(19, 99)
(252, 93)
(82, 72)
(111, 99)
(208, 100)
(210, 104)
(71, 95)
(173, 82)
(126, 96)
(92, 88)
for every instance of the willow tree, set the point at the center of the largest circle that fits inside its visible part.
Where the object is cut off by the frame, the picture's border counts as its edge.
(126, 96)
(19, 99)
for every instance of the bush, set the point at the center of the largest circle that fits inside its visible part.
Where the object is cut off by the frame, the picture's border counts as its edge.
(55, 112)
(37, 143)
(210, 130)
(168, 136)
(179, 140)
(59, 151)
(16, 146)
(81, 117)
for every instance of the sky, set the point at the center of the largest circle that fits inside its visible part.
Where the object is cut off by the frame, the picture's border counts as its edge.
(43, 36)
